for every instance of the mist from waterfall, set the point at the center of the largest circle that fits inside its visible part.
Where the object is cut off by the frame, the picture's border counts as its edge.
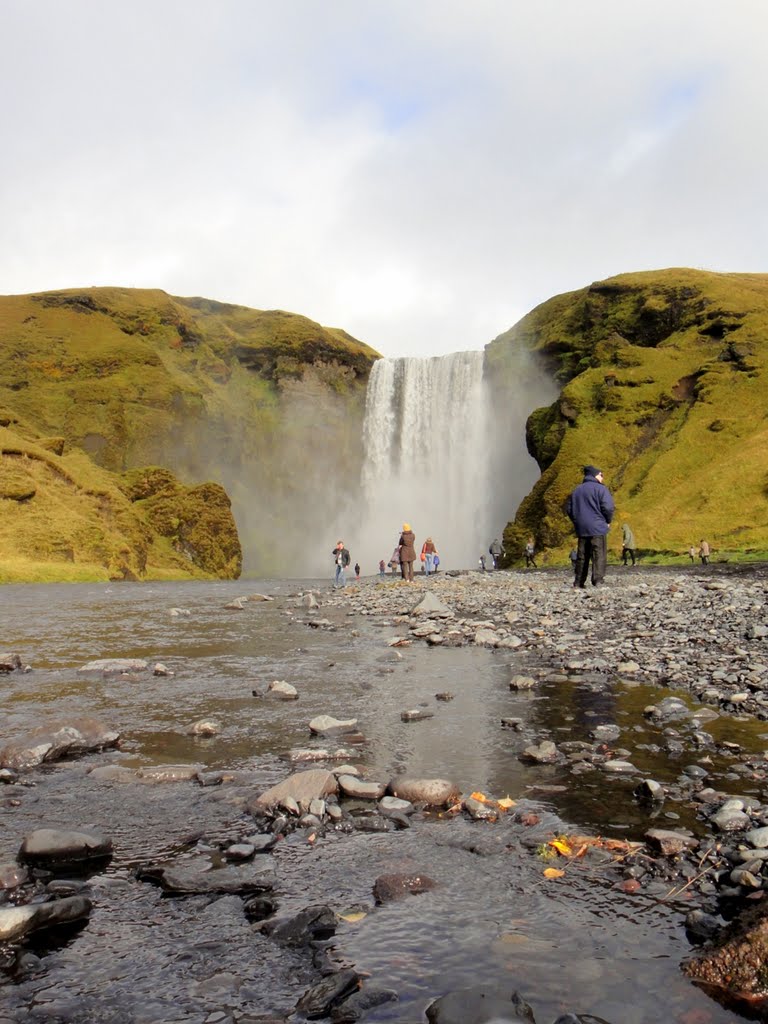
(427, 459)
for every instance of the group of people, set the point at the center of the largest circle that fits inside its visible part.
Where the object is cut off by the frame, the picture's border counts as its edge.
(402, 560)
(590, 507)
(703, 552)
(404, 556)
(496, 550)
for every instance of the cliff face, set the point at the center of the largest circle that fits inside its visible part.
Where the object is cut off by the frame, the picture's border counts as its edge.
(663, 385)
(259, 404)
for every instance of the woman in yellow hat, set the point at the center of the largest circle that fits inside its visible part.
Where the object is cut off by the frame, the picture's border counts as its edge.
(407, 546)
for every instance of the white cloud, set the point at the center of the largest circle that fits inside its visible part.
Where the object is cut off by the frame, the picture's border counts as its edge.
(419, 174)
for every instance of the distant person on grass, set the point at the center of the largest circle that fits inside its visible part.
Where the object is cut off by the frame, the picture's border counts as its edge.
(590, 508)
(530, 554)
(704, 552)
(627, 544)
(692, 554)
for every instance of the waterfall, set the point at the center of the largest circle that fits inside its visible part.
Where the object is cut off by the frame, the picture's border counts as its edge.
(426, 461)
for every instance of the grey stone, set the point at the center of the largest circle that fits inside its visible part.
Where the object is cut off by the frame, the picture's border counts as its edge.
(16, 922)
(304, 787)
(670, 843)
(57, 848)
(282, 690)
(355, 787)
(416, 715)
(57, 740)
(519, 682)
(198, 877)
(432, 606)
(114, 666)
(157, 773)
(326, 725)
(205, 727)
(432, 792)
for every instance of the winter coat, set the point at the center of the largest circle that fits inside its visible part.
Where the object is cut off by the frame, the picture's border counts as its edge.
(345, 557)
(407, 545)
(590, 508)
(627, 537)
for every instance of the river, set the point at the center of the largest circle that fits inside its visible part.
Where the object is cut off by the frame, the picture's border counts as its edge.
(576, 944)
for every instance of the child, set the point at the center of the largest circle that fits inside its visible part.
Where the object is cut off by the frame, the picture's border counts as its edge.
(357, 570)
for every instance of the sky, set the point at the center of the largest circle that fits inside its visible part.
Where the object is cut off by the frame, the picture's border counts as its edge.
(421, 173)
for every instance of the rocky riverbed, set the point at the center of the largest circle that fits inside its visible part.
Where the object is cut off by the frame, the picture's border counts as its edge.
(357, 862)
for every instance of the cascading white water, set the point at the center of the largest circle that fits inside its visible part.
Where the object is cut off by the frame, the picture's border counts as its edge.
(427, 457)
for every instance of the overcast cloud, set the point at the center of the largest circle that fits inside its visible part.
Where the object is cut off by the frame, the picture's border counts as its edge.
(418, 172)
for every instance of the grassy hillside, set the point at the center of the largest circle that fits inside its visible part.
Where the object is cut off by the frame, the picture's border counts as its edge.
(128, 378)
(664, 385)
(65, 519)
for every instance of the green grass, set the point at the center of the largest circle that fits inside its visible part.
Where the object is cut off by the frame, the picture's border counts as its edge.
(665, 386)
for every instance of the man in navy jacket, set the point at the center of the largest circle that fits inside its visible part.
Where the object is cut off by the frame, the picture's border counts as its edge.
(590, 508)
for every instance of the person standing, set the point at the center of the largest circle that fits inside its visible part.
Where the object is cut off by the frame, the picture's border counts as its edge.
(407, 548)
(530, 553)
(357, 570)
(590, 508)
(627, 544)
(704, 552)
(382, 568)
(573, 555)
(692, 554)
(429, 551)
(341, 558)
(495, 551)
(394, 562)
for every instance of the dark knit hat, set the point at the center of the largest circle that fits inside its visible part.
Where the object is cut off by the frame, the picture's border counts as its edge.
(591, 471)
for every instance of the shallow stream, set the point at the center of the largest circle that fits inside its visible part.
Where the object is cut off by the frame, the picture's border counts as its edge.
(575, 944)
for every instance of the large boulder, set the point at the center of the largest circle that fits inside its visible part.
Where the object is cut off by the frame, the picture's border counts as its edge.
(57, 740)
(327, 725)
(315, 923)
(303, 787)
(432, 792)
(397, 886)
(56, 849)
(113, 666)
(735, 964)
(16, 922)
(198, 877)
(432, 607)
(480, 1005)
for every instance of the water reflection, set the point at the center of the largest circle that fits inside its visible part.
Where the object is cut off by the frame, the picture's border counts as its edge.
(572, 944)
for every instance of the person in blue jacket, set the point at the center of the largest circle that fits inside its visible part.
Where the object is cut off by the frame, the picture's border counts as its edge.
(590, 508)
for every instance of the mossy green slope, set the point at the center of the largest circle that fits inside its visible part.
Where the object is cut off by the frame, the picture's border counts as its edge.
(66, 519)
(664, 380)
(133, 378)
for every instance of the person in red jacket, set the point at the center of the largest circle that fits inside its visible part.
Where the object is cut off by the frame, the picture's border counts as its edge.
(428, 553)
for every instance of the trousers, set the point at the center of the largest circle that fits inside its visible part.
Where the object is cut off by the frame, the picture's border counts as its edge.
(592, 550)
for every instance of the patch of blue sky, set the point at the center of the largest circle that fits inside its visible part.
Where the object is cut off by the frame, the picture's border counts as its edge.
(677, 100)
(394, 108)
